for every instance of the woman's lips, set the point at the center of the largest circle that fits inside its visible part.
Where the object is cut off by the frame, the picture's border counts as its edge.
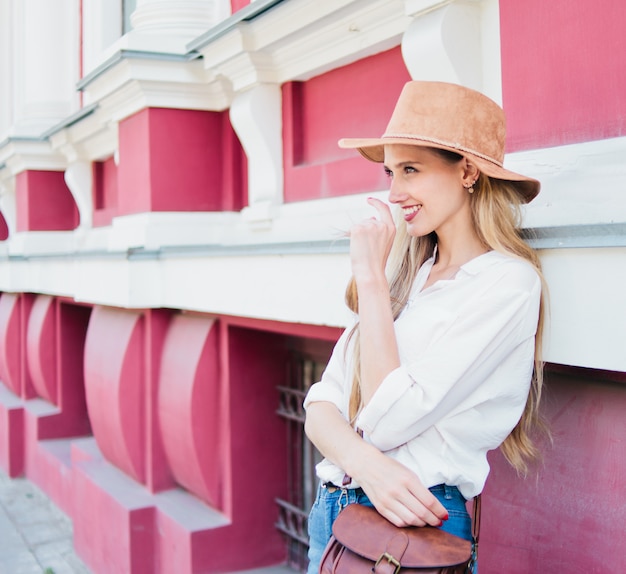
(411, 211)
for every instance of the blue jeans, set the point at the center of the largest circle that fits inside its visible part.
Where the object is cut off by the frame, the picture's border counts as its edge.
(330, 502)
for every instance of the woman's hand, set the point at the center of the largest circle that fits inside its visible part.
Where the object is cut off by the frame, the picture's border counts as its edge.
(398, 494)
(395, 491)
(370, 243)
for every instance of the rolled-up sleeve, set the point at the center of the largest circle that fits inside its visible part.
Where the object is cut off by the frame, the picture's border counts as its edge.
(434, 379)
(331, 386)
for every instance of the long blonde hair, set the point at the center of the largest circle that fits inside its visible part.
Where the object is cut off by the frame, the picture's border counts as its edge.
(496, 214)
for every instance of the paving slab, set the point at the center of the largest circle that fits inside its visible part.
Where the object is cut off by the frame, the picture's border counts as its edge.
(36, 537)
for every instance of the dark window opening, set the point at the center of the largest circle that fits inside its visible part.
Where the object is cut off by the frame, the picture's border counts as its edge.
(304, 369)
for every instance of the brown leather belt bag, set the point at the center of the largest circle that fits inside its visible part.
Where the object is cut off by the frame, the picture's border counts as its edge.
(363, 541)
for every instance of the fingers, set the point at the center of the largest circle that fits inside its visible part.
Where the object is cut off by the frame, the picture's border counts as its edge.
(381, 227)
(397, 492)
(383, 210)
(433, 509)
(406, 502)
(409, 510)
(401, 516)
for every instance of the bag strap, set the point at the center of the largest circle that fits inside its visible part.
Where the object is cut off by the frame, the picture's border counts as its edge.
(476, 519)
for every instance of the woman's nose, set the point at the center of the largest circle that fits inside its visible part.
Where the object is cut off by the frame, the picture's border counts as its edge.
(396, 194)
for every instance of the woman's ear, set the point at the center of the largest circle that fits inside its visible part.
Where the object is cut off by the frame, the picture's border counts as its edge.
(470, 173)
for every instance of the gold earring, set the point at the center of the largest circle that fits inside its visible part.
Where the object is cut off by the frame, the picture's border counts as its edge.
(470, 188)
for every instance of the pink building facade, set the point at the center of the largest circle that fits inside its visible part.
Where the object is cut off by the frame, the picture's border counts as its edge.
(172, 264)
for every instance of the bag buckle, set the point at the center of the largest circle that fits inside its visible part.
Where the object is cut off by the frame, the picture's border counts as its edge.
(389, 558)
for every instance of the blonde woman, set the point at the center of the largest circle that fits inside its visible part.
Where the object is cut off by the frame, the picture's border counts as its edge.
(442, 364)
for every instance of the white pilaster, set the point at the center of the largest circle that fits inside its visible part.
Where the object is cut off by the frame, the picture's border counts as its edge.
(256, 117)
(46, 64)
(6, 70)
(102, 27)
(167, 26)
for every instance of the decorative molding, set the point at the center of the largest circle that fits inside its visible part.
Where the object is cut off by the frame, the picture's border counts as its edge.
(8, 205)
(21, 154)
(577, 236)
(581, 184)
(301, 39)
(444, 45)
(79, 180)
(256, 116)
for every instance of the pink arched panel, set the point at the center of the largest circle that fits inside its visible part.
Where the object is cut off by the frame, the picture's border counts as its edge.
(41, 347)
(114, 372)
(10, 342)
(190, 411)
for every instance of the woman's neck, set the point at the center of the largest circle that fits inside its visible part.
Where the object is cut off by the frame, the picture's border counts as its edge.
(459, 251)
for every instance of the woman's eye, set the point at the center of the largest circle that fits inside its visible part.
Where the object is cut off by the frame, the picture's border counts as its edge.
(388, 172)
(409, 169)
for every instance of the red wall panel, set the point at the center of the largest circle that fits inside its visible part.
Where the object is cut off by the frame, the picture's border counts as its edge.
(175, 160)
(4, 228)
(353, 101)
(44, 202)
(568, 514)
(563, 71)
(104, 191)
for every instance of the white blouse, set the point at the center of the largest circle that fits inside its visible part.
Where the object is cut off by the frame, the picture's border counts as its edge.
(466, 349)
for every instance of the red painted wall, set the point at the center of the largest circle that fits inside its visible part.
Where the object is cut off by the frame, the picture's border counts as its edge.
(238, 4)
(104, 192)
(569, 515)
(353, 101)
(14, 314)
(253, 366)
(179, 160)
(563, 71)
(43, 202)
(4, 228)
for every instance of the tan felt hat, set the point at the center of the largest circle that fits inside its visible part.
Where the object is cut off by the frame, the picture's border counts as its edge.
(452, 117)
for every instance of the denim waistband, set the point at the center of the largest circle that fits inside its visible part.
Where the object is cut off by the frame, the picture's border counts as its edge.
(445, 490)
(331, 487)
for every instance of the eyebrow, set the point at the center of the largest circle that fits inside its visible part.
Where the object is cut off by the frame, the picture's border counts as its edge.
(404, 164)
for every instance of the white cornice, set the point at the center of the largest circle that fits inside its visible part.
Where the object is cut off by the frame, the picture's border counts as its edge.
(181, 84)
(303, 38)
(91, 139)
(23, 154)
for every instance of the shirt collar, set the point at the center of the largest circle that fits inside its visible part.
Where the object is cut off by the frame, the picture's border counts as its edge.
(481, 262)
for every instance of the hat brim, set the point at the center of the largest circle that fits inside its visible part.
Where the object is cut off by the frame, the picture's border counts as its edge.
(373, 150)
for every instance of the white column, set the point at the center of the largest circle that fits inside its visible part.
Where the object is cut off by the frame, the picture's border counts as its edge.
(256, 116)
(102, 27)
(45, 72)
(169, 25)
(6, 69)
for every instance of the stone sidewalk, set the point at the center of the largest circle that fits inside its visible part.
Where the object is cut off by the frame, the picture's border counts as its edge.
(36, 537)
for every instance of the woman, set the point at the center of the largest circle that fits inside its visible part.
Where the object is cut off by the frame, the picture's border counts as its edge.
(442, 364)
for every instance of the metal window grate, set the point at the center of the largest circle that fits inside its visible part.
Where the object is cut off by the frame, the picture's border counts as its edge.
(302, 457)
